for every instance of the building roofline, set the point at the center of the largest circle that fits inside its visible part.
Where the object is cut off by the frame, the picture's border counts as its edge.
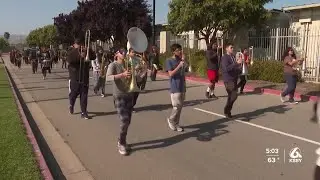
(305, 6)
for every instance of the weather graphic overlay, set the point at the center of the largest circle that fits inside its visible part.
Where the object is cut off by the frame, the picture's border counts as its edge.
(272, 155)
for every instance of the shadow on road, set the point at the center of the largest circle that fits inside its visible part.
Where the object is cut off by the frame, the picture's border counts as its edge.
(205, 131)
(162, 107)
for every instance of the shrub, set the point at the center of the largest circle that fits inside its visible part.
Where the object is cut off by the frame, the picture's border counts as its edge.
(271, 70)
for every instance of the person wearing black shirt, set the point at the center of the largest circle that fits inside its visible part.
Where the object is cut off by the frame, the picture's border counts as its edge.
(79, 77)
(231, 70)
(213, 55)
(33, 58)
(154, 62)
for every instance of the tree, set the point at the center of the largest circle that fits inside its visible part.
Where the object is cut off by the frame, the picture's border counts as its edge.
(3, 44)
(105, 19)
(44, 36)
(210, 16)
(6, 35)
(64, 27)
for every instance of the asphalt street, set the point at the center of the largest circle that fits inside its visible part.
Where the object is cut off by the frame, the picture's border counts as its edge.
(212, 147)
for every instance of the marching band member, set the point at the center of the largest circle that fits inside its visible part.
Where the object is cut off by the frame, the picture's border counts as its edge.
(290, 74)
(63, 57)
(19, 59)
(154, 62)
(46, 63)
(213, 55)
(231, 69)
(33, 58)
(176, 67)
(79, 77)
(122, 98)
(98, 76)
(144, 76)
(243, 78)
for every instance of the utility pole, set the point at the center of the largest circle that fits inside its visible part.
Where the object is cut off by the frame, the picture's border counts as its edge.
(154, 22)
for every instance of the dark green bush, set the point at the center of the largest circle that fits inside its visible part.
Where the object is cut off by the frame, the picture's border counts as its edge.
(271, 71)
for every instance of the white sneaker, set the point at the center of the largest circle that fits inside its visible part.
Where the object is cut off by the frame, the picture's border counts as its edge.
(122, 149)
(179, 128)
(171, 126)
(102, 95)
(293, 102)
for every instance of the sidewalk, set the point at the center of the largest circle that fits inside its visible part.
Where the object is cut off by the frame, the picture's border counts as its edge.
(211, 145)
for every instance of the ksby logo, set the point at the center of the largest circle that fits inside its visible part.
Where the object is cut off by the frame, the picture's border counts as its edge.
(295, 155)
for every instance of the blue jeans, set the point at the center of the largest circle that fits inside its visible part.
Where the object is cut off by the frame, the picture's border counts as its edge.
(291, 81)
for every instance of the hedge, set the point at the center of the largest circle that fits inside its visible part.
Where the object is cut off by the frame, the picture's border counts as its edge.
(270, 70)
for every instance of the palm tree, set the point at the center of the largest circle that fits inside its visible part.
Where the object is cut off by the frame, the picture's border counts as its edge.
(6, 35)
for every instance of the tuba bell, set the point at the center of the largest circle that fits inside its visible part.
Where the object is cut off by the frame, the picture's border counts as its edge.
(137, 40)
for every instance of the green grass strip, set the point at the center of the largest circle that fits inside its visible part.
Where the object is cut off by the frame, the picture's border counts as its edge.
(17, 160)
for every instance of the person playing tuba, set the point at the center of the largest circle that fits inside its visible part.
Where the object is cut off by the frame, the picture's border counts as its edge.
(123, 98)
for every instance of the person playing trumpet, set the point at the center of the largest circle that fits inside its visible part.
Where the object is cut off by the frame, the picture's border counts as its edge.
(244, 57)
(123, 99)
(176, 67)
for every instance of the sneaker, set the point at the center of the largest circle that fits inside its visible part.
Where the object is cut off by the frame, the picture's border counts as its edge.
(228, 115)
(179, 128)
(133, 110)
(293, 102)
(71, 110)
(85, 116)
(282, 98)
(103, 95)
(122, 149)
(171, 126)
(213, 96)
(207, 95)
(95, 91)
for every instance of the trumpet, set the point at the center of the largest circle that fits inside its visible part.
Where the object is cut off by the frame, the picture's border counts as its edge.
(87, 44)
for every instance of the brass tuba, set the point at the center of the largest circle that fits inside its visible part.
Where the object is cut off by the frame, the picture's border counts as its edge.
(137, 40)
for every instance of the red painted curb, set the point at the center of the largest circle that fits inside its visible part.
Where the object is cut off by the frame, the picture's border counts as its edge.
(248, 87)
(45, 172)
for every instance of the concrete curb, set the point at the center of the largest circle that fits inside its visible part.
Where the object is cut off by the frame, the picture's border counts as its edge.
(66, 165)
(248, 88)
(45, 172)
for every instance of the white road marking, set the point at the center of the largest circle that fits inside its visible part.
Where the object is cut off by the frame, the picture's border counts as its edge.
(264, 128)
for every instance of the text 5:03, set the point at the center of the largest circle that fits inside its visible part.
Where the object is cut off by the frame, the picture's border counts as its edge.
(272, 150)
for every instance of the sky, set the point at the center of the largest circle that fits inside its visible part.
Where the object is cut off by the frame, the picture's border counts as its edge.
(22, 16)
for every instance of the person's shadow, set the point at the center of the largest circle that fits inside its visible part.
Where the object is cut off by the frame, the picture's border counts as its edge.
(204, 131)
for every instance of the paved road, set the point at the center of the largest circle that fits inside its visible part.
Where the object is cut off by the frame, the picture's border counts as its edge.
(211, 147)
